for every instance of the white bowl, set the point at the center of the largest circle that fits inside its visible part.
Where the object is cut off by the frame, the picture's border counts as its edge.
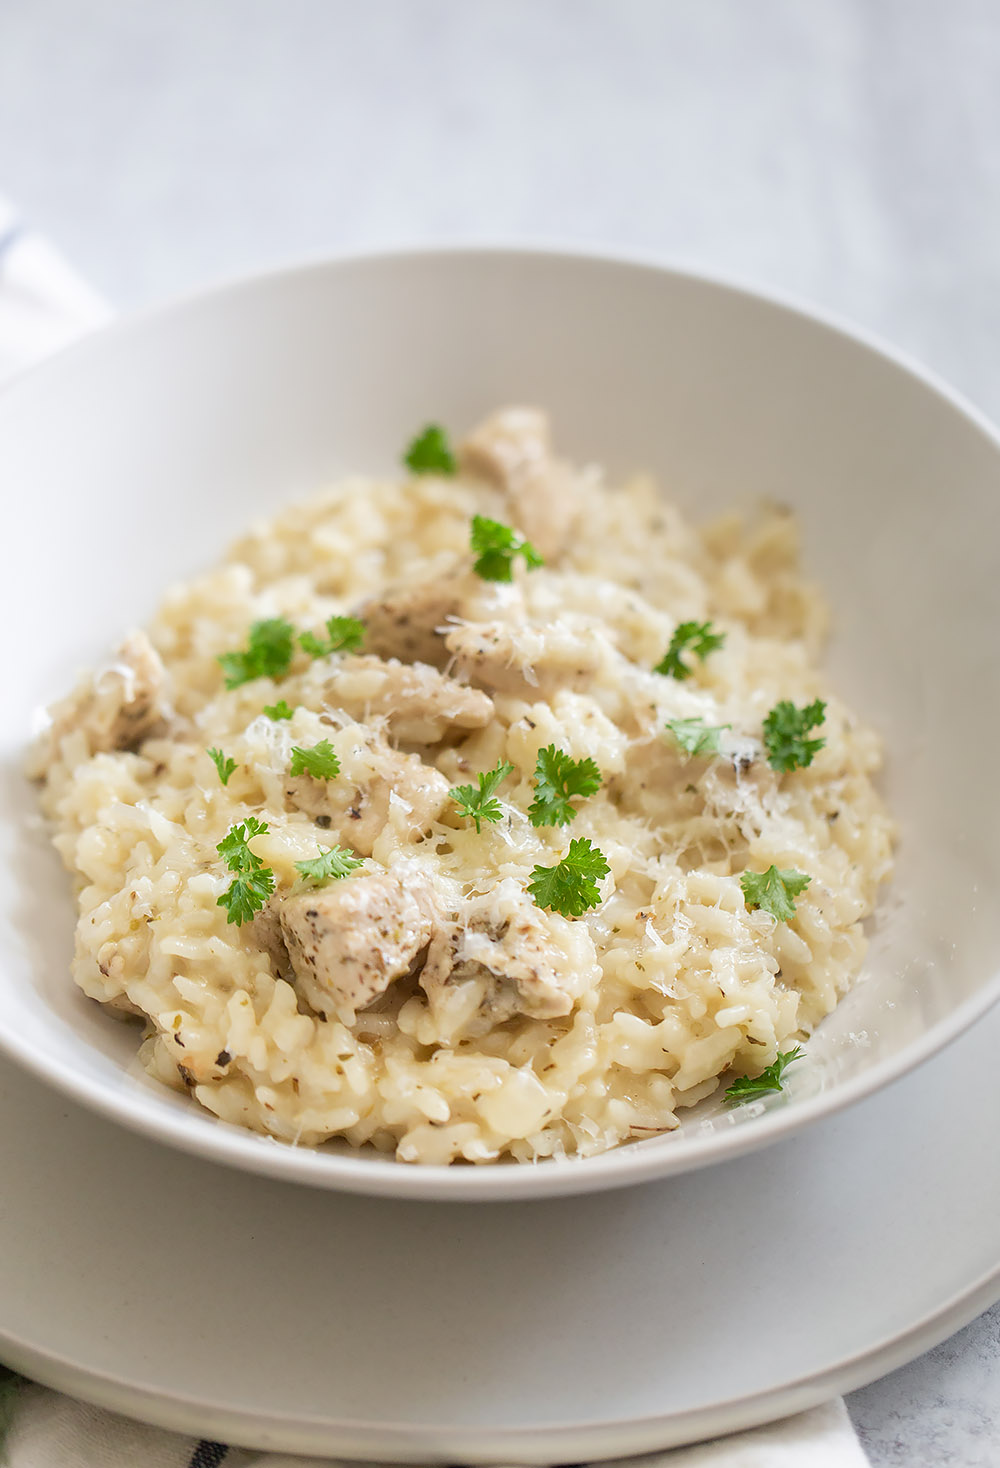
(132, 460)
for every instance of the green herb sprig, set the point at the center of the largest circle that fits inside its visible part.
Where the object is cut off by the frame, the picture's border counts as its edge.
(772, 891)
(570, 887)
(225, 766)
(694, 736)
(495, 545)
(430, 452)
(332, 863)
(558, 778)
(785, 730)
(478, 802)
(253, 882)
(343, 634)
(268, 652)
(320, 761)
(746, 1088)
(698, 638)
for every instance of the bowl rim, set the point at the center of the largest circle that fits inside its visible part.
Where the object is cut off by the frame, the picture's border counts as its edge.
(199, 1133)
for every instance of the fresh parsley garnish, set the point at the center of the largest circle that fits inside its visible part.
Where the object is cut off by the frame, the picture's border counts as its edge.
(695, 736)
(268, 653)
(246, 894)
(224, 766)
(785, 730)
(279, 710)
(745, 1088)
(253, 882)
(495, 546)
(233, 847)
(479, 803)
(343, 634)
(430, 452)
(336, 861)
(558, 777)
(772, 891)
(319, 760)
(570, 887)
(698, 638)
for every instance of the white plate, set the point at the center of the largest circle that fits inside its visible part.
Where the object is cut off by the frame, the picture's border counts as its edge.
(279, 1316)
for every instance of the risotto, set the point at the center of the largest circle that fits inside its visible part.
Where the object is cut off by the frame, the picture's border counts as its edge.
(488, 814)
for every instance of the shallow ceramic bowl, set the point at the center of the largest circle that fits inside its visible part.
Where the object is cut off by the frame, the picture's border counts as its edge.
(132, 460)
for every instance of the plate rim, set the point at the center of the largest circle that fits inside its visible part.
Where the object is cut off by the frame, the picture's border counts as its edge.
(587, 1441)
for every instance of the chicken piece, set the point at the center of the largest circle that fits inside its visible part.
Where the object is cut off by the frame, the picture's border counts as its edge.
(115, 708)
(524, 659)
(407, 622)
(349, 941)
(264, 932)
(496, 961)
(377, 786)
(513, 450)
(418, 702)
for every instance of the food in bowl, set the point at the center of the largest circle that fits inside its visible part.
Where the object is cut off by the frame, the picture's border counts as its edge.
(489, 814)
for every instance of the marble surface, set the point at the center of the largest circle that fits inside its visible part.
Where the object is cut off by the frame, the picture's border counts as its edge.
(841, 150)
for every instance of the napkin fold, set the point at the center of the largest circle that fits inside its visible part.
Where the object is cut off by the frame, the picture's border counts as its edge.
(44, 305)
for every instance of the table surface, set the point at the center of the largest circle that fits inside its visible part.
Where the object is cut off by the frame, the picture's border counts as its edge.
(842, 151)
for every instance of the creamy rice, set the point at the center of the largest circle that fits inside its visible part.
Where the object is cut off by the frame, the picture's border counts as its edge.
(667, 985)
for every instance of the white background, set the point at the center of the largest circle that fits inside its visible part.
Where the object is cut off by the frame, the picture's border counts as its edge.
(846, 151)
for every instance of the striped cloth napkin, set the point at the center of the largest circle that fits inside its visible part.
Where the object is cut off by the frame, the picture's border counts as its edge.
(44, 306)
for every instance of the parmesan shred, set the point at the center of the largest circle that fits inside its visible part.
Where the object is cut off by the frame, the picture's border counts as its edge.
(425, 1005)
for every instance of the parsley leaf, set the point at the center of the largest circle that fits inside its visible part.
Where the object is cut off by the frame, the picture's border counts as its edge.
(772, 891)
(336, 861)
(745, 1088)
(224, 766)
(343, 634)
(320, 761)
(430, 452)
(558, 777)
(495, 546)
(247, 893)
(481, 804)
(695, 736)
(785, 730)
(570, 887)
(233, 847)
(267, 654)
(279, 710)
(254, 882)
(695, 637)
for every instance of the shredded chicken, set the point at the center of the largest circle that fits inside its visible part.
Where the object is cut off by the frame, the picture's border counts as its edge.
(264, 932)
(418, 703)
(512, 448)
(408, 622)
(349, 941)
(496, 961)
(119, 706)
(377, 787)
